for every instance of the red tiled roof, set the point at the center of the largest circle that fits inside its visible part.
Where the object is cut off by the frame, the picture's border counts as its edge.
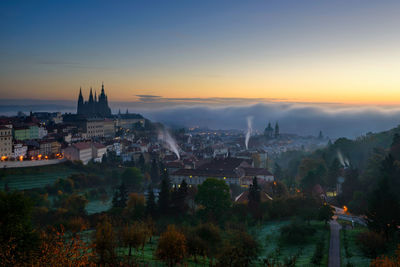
(98, 145)
(257, 171)
(244, 197)
(82, 145)
(174, 164)
(224, 164)
(206, 173)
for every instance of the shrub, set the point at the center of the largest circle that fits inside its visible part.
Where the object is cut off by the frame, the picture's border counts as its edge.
(371, 243)
(296, 233)
(318, 253)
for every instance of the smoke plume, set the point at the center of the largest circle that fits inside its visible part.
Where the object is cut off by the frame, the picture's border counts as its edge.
(168, 142)
(249, 130)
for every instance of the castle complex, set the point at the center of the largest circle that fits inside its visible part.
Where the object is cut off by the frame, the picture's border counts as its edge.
(94, 107)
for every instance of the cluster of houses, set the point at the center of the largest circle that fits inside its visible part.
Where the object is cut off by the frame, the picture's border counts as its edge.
(52, 135)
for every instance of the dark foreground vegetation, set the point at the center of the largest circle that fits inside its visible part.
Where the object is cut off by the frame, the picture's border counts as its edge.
(151, 223)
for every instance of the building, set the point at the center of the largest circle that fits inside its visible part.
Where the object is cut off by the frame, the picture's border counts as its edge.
(49, 148)
(129, 121)
(20, 150)
(28, 132)
(5, 142)
(91, 127)
(109, 128)
(244, 197)
(98, 150)
(269, 131)
(85, 152)
(45, 148)
(94, 128)
(259, 173)
(228, 169)
(94, 107)
(198, 176)
(42, 132)
(79, 152)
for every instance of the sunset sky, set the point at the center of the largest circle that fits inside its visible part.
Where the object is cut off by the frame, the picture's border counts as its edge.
(293, 51)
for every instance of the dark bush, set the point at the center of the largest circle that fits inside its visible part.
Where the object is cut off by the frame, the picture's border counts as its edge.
(318, 253)
(371, 243)
(296, 233)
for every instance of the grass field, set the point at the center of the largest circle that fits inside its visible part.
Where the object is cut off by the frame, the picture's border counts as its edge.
(356, 258)
(268, 236)
(97, 206)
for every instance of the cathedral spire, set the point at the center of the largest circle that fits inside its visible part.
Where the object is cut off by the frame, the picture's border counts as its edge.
(102, 87)
(95, 96)
(80, 98)
(91, 95)
(80, 102)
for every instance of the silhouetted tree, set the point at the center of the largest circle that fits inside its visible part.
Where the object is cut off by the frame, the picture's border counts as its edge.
(333, 173)
(120, 197)
(164, 197)
(105, 243)
(278, 173)
(179, 198)
(154, 172)
(171, 246)
(151, 206)
(132, 178)
(254, 198)
(141, 163)
(383, 209)
(16, 228)
(325, 213)
(214, 196)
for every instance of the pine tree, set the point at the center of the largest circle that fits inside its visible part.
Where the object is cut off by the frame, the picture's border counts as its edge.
(154, 172)
(179, 198)
(333, 173)
(151, 206)
(254, 198)
(141, 162)
(278, 172)
(164, 198)
(120, 197)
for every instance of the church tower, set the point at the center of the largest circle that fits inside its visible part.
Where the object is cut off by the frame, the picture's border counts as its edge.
(96, 106)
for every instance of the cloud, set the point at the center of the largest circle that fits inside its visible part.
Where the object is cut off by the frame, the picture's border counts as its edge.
(149, 98)
(190, 101)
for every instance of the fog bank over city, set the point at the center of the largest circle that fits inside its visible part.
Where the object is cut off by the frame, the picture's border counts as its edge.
(334, 120)
(301, 119)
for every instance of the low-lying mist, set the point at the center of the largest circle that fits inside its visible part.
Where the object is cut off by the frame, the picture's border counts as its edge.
(334, 121)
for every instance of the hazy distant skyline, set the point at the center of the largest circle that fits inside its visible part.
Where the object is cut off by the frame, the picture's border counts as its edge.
(290, 51)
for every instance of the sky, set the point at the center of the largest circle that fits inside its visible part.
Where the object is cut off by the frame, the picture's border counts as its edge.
(343, 52)
(311, 65)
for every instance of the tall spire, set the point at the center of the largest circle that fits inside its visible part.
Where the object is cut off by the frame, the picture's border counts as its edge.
(80, 98)
(80, 102)
(102, 87)
(95, 96)
(91, 95)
